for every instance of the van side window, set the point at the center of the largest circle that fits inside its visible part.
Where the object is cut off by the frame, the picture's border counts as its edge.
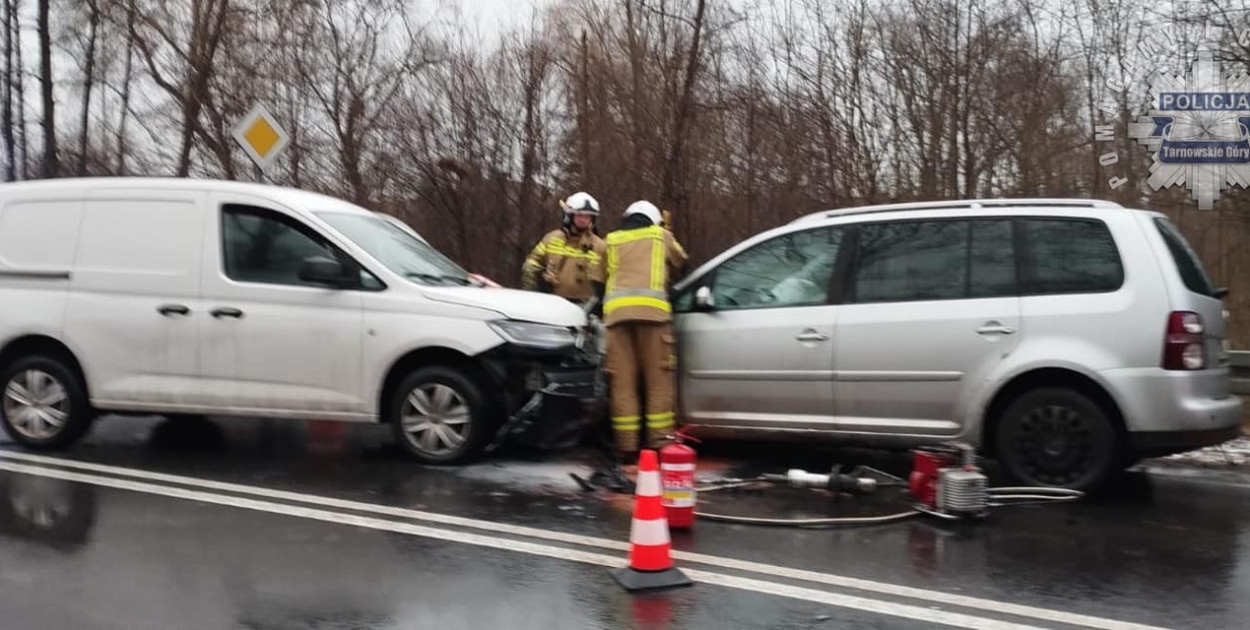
(790, 270)
(1063, 255)
(265, 247)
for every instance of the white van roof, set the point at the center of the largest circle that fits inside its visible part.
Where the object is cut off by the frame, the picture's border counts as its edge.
(294, 197)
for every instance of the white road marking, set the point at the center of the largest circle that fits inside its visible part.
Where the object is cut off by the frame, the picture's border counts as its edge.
(829, 579)
(905, 611)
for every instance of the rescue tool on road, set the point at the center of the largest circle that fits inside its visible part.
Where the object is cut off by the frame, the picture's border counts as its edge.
(945, 482)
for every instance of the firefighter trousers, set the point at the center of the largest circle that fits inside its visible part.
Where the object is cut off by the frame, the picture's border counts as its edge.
(646, 349)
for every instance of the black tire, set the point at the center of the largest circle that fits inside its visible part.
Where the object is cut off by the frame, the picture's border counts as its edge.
(476, 431)
(77, 409)
(1057, 438)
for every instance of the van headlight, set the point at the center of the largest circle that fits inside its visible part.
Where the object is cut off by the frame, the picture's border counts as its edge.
(533, 335)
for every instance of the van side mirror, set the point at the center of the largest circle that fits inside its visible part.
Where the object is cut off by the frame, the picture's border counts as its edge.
(703, 299)
(323, 270)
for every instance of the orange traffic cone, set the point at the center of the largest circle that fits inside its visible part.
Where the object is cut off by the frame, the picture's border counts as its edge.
(650, 554)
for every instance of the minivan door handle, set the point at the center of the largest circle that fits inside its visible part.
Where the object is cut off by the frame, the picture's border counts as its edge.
(812, 335)
(169, 310)
(995, 328)
(226, 312)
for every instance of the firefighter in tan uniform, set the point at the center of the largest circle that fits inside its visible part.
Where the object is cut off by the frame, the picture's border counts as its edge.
(642, 256)
(569, 261)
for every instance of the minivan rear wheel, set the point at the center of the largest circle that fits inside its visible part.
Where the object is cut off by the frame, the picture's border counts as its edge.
(440, 416)
(43, 403)
(1056, 437)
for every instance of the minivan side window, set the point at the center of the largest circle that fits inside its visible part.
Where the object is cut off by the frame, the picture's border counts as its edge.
(790, 270)
(945, 259)
(265, 247)
(1068, 255)
(991, 259)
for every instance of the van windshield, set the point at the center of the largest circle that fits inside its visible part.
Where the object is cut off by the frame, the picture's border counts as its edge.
(1187, 261)
(400, 251)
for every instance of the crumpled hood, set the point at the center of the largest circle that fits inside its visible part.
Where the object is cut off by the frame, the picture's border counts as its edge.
(529, 306)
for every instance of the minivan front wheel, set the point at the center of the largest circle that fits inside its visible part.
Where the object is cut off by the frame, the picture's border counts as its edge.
(1056, 437)
(43, 403)
(440, 416)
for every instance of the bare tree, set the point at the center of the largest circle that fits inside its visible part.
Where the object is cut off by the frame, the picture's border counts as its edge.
(51, 166)
(673, 193)
(19, 74)
(193, 62)
(10, 150)
(127, 81)
(93, 28)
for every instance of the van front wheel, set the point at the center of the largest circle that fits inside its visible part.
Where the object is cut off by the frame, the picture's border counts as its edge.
(440, 416)
(43, 403)
(1056, 437)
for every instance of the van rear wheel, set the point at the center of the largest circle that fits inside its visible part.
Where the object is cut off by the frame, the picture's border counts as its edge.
(440, 416)
(43, 403)
(1057, 437)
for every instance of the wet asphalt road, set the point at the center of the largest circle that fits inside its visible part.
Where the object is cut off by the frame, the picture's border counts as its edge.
(110, 545)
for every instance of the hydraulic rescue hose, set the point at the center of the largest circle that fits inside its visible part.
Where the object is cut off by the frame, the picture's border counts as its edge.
(809, 522)
(1017, 495)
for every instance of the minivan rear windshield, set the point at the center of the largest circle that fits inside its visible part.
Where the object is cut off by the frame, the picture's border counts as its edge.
(398, 250)
(1192, 272)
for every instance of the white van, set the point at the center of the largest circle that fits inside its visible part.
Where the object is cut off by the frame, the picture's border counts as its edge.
(174, 296)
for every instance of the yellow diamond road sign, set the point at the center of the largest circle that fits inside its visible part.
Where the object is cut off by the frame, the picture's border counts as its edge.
(261, 137)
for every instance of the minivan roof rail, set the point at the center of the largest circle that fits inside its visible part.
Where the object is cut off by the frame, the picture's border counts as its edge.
(972, 204)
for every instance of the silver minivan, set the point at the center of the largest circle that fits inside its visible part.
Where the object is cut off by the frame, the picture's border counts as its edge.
(1065, 338)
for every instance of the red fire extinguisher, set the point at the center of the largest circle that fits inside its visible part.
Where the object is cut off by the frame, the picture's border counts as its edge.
(677, 468)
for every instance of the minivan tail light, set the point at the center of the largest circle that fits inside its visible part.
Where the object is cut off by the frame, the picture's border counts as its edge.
(1184, 348)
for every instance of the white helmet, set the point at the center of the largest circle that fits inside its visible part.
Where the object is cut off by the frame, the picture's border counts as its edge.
(581, 202)
(647, 209)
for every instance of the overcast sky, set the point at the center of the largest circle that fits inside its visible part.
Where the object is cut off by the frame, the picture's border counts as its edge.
(494, 16)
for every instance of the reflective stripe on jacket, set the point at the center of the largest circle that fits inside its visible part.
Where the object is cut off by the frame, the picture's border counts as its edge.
(639, 262)
(569, 263)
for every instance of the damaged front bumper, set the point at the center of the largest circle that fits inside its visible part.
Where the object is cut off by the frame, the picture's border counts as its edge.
(549, 396)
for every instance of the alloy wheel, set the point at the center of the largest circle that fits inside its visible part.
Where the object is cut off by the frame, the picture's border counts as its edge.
(36, 404)
(1054, 443)
(435, 419)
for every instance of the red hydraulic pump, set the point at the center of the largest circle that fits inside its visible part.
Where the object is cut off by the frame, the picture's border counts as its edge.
(945, 481)
(677, 468)
(924, 474)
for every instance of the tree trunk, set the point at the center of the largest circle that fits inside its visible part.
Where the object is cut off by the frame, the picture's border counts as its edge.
(636, 70)
(673, 193)
(532, 90)
(352, 151)
(23, 142)
(10, 149)
(88, 84)
(127, 77)
(584, 113)
(51, 167)
(207, 27)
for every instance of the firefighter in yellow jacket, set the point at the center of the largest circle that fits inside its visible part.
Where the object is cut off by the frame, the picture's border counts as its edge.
(569, 261)
(642, 257)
